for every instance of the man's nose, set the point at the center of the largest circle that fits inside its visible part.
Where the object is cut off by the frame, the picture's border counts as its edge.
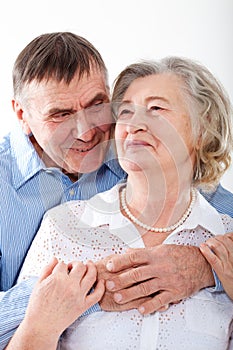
(82, 128)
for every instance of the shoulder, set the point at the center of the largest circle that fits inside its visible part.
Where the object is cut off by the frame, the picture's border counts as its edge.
(221, 200)
(6, 160)
(5, 148)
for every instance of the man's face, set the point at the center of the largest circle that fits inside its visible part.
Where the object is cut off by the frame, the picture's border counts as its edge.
(71, 124)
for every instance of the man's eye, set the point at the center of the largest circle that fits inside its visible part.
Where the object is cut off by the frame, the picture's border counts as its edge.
(95, 108)
(58, 118)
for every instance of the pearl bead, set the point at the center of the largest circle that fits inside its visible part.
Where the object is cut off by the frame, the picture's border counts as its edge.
(157, 229)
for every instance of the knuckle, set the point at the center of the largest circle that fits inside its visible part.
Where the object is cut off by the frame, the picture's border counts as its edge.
(133, 257)
(158, 302)
(145, 288)
(135, 275)
(161, 299)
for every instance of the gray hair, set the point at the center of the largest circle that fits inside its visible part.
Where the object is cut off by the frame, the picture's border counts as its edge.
(210, 112)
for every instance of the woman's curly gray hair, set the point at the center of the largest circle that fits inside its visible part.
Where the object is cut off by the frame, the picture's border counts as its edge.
(210, 112)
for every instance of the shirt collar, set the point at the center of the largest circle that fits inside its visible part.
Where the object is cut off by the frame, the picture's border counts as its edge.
(204, 215)
(26, 162)
(108, 207)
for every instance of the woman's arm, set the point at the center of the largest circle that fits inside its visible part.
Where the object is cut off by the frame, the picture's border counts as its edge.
(218, 251)
(60, 296)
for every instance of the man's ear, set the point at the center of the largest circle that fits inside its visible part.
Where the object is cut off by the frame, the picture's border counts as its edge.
(20, 115)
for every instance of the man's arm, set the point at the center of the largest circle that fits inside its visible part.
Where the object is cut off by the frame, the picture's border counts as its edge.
(13, 305)
(161, 275)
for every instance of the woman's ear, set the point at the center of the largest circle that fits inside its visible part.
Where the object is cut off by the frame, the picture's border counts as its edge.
(20, 115)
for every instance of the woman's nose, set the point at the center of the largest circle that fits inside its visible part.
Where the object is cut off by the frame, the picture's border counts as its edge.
(136, 122)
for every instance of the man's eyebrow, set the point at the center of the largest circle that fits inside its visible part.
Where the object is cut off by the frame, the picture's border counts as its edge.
(97, 97)
(60, 110)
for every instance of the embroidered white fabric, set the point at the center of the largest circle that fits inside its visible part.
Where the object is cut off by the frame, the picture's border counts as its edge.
(95, 229)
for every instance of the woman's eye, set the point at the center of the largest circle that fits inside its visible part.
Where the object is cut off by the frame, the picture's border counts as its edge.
(124, 113)
(155, 108)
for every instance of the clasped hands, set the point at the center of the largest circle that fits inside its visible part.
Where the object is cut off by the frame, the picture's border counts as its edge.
(150, 279)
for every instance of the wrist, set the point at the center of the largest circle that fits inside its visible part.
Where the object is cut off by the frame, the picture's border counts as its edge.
(31, 336)
(207, 279)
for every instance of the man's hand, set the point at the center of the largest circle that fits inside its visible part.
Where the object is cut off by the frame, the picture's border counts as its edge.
(164, 274)
(107, 302)
(219, 253)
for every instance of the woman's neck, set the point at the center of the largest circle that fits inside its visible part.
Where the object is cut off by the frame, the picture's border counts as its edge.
(157, 201)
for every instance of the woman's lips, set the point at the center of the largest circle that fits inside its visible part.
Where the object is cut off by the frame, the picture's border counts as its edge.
(136, 143)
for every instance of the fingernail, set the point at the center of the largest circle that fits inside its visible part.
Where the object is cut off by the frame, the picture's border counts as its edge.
(141, 309)
(109, 265)
(110, 285)
(117, 297)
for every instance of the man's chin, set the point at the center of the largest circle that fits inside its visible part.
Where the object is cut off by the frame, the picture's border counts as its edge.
(87, 165)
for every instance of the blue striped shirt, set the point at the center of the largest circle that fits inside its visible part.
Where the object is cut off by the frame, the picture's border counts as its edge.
(28, 190)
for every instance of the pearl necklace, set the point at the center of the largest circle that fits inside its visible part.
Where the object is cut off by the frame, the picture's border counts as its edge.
(157, 229)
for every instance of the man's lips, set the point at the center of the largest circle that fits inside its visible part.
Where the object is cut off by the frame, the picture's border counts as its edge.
(82, 149)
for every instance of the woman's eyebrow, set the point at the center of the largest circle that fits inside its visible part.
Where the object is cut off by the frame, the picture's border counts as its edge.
(160, 98)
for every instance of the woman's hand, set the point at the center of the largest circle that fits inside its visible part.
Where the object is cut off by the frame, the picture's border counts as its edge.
(59, 297)
(218, 251)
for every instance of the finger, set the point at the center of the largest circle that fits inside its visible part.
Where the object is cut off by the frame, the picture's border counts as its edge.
(77, 270)
(140, 290)
(89, 278)
(218, 247)
(164, 308)
(230, 236)
(124, 261)
(158, 302)
(221, 244)
(48, 269)
(211, 257)
(110, 305)
(129, 278)
(96, 294)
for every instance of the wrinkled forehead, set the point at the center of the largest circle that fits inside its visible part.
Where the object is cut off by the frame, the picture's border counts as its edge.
(84, 87)
(161, 84)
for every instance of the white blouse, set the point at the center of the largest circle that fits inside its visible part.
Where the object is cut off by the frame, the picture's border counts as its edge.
(94, 229)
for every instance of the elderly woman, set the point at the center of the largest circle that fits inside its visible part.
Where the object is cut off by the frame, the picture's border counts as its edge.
(173, 135)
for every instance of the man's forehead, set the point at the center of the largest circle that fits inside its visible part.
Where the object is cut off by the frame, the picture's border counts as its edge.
(87, 86)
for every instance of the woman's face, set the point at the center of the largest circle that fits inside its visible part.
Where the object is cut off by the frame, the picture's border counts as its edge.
(154, 128)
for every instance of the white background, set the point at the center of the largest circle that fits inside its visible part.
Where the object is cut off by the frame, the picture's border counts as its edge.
(123, 31)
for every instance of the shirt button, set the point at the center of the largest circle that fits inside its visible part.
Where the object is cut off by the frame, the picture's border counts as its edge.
(71, 191)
